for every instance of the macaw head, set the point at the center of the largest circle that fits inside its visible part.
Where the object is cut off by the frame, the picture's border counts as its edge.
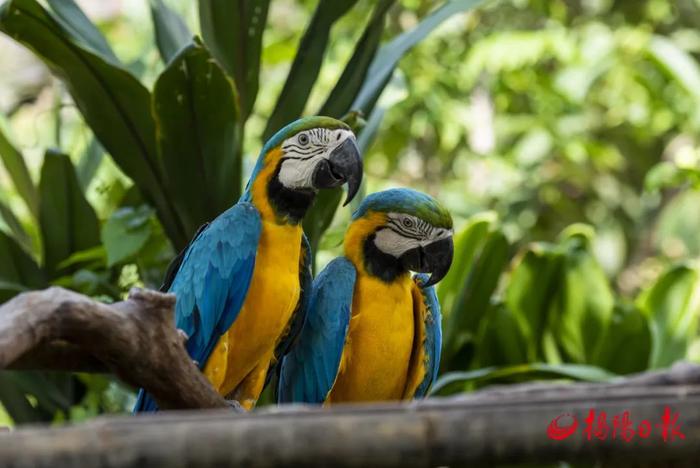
(401, 230)
(309, 154)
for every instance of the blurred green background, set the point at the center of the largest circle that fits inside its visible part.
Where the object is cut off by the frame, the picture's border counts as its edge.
(562, 135)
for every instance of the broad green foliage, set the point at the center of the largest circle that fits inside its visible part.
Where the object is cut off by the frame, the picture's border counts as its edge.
(17, 169)
(171, 31)
(68, 222)
(672, 306)
(556, 306)
(306, 65)
(626, 344)
(455, 381)
(233, 32)
(482, 252)
(112, 101)
(18, 272)
(196, 111)
(125, 233)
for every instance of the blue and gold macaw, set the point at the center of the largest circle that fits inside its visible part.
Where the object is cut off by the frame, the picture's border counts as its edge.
(372, 331)
(240, 282)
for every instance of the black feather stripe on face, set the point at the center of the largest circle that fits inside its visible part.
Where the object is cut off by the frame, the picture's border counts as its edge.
(290, 205)
(377, 263)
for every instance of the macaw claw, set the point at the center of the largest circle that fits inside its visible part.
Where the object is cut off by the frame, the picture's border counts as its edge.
(235, 406)
(183, 336)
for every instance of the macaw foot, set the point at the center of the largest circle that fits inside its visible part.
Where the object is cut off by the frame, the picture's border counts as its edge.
(183, 336)
(235, 406)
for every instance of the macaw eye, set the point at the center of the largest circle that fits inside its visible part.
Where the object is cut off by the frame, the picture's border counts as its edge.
(407, 223)
(304, 139)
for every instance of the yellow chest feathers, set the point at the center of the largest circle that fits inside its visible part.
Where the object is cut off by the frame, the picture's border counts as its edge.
(272, 298)
(375, 361)
(275, 284)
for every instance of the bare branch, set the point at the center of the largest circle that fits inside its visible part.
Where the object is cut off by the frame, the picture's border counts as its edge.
(56, 329)
(441, 432)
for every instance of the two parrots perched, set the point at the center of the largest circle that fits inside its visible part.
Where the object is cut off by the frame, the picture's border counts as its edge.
(365, 329)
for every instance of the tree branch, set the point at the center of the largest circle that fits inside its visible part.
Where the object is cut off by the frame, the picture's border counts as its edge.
(56, 329)
(470, 429)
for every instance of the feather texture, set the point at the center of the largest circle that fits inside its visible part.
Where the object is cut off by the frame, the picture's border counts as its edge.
(212, 281)
(309, 370)
(428, 328)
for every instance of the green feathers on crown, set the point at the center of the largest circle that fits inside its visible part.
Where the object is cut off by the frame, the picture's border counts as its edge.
(408, 201)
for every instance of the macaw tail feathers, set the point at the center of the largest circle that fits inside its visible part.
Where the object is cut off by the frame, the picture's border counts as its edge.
(145, 403)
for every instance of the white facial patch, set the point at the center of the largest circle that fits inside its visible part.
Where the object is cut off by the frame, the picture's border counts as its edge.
(303, 151)
(405, 232)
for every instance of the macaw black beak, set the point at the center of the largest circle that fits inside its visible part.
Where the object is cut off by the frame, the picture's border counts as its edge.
(434, 258)
(343, 165)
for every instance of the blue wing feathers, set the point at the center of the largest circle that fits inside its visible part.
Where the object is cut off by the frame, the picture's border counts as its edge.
(433, 336)
(213, 279)
(309, 370)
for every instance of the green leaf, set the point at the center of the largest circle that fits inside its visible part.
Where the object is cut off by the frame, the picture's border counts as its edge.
(332, 238)
(18, 271)
(125, 233)
(532, 287)
(668, 175)
(672, 305)
(626, 345)
(467, 243)
(154, 258)
(198, 139)
(345, 91)
(319, 217)
(519, 373)
(53, 390)
(678, 63)
(67, 221)
(390, 54)
(500, 340)
(233, 30)
(369, 131)
(171, 31)
(17, 170)
(583, 309)
(73, 20)
(89, 163)
(16, 228)
(114, 104)
(91, 283)
(474, 298)
(307, 64)
(95, 257)
(16, 403)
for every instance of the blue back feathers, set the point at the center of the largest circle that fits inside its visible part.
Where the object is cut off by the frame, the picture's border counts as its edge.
(308, 372)
(213, 280)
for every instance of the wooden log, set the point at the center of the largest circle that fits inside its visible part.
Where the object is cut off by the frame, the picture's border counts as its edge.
(482, 428)
(56, 329)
